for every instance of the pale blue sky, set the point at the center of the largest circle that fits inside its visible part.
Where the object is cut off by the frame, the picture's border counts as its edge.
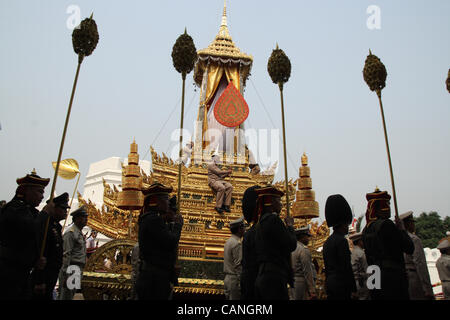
(128, 88)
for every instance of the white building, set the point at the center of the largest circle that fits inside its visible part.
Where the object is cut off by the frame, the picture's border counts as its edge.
(109, 170)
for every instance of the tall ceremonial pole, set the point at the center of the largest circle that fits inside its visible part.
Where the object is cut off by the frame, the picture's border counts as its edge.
(71, 201)
(184, 56)
(84, 40)
(375, 76)
(279, 68)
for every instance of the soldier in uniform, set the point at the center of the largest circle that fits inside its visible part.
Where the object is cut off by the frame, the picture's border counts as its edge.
(304, 284)
(359, 265)
(249, 258)
(340, 282)
(20, 254)
(222, 188)
(274, 243)
(419, 282)
(74, 254)
(157, 245)
(232, 258)
(443, 267)
(44, 281)
(385, 243)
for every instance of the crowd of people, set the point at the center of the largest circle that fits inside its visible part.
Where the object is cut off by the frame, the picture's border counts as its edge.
(386, 262)
(34, 254)
(264, 259)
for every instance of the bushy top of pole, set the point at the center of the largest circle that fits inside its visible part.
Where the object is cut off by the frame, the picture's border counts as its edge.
(184, 54)
(374, 73)
(279, 66)
(85, 37)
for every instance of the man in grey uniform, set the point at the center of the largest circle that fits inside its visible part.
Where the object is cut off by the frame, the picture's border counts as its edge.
(419, 282)
(232, 260)
(74, 255)
(443, 267)
(359, 266)
(304, 285)
(223, 188)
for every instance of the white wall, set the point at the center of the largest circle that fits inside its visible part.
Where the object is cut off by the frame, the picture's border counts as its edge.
(110, 170)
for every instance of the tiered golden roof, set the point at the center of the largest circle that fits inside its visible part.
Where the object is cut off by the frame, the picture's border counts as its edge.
(222, 51)
(305, 205)
(131, 197)
(223, 46)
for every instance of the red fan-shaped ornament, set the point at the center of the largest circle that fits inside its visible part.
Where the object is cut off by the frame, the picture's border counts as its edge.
(231, 108)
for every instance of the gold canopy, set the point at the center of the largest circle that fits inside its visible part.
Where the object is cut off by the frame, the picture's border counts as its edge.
(223, 51)
(223, 45)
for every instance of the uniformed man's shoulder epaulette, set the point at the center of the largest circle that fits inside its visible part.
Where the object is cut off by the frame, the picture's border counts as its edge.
(15, 205)
(71, 229)
(43, 214)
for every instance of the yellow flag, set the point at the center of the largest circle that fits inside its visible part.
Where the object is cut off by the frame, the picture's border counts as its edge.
(68, 168)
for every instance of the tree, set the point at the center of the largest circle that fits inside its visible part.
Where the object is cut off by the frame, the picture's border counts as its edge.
(430, 228)
(447, 223)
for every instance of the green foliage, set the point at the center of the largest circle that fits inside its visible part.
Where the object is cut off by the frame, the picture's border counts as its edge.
(430, 228)
(447, 223)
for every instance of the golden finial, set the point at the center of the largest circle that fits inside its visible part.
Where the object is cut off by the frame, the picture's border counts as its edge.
(34, 171)
(304, 159)
(224, 14)
(376, 189)
(133, 146)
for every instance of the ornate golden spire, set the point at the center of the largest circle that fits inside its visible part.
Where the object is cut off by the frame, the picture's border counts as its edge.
(223, 32)
(131, 198)
(304, 159)
(224, 14)
(223, 46)
(305, 205)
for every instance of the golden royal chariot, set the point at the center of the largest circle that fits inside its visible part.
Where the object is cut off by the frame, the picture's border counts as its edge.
(205, 231)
